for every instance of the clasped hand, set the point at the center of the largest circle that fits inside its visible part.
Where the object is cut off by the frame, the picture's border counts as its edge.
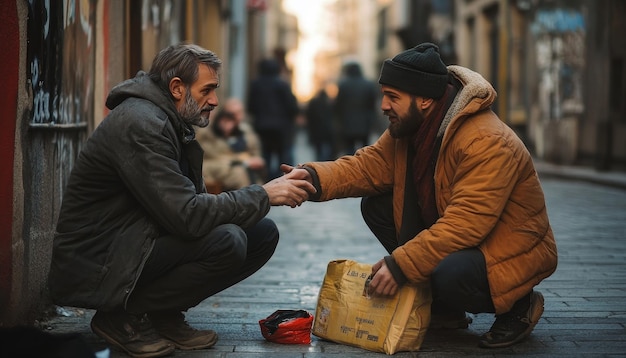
(291, 189)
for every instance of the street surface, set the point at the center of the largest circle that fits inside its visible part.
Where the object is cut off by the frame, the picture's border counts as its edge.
(585, 308)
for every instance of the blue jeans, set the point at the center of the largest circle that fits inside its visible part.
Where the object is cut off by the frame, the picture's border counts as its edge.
(459, 282)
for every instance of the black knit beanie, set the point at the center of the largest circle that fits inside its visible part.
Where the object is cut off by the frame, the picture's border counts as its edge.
(418, 71)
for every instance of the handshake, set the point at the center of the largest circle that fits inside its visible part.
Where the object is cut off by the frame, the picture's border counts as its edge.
(291, 189)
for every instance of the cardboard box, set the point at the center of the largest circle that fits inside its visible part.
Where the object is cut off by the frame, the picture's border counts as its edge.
(344, 314)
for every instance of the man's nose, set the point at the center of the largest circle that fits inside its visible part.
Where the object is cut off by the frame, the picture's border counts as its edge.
(213, 100)
(384, 105)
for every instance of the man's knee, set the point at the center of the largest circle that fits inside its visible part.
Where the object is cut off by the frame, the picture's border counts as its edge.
(377, 209)
(267, 230)
(227, 243)
(263, 236)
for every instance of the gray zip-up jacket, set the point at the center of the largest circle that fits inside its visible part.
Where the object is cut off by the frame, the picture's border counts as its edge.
(138, 177)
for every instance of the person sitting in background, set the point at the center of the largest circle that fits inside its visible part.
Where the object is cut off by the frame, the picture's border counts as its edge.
(232, 151)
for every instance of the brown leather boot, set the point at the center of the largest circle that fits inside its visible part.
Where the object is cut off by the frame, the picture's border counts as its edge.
(172, 325)
(133, 334)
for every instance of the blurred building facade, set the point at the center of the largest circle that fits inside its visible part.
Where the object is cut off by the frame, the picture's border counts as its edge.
(61, 59)
(559, 67)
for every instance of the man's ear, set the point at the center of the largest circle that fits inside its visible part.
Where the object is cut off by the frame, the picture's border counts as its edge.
(177, 88)
(426, 102)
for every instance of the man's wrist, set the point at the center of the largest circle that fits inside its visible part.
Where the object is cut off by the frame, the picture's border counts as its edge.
(395, 270)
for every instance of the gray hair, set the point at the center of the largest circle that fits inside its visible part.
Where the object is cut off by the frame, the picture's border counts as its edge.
(181, 60)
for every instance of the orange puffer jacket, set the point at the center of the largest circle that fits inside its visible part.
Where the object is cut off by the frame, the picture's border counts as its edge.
(487, 191)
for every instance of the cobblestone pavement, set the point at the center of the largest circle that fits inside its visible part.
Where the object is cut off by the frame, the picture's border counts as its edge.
(585, 299)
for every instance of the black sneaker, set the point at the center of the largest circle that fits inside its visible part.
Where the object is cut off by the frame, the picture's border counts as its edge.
(455, 320)
(172, 325)
(514, 326)
(133, 334)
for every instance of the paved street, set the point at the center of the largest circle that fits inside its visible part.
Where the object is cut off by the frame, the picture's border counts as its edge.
(585, 309)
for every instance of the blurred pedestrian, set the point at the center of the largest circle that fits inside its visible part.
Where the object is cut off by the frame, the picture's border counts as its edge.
(138, 238)
(319, 123)
(356, 107)
(452, 194)
(232, 150)
(274, 109)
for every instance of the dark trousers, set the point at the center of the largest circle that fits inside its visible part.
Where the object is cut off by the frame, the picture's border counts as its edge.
(459, 282)
(277, 149)
(179, 274)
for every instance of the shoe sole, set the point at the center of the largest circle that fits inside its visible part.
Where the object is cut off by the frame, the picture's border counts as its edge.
(537, 311)
(120, 346)
(191, 348)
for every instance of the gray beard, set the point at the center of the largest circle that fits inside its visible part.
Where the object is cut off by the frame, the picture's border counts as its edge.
(192, 114)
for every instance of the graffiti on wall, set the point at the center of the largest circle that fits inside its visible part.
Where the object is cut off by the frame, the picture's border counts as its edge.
(60, 76)
(60, 55)
(559, 36)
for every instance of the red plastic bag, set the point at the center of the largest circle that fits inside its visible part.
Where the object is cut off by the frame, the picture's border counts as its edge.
(287, 327)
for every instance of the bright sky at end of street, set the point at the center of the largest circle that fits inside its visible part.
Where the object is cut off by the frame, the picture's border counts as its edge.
(311, 22)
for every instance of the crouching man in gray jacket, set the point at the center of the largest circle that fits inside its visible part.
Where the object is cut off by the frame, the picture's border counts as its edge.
(138, 238)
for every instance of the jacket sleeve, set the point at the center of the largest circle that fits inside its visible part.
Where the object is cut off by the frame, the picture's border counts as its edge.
(481, 179)
(148, 164)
